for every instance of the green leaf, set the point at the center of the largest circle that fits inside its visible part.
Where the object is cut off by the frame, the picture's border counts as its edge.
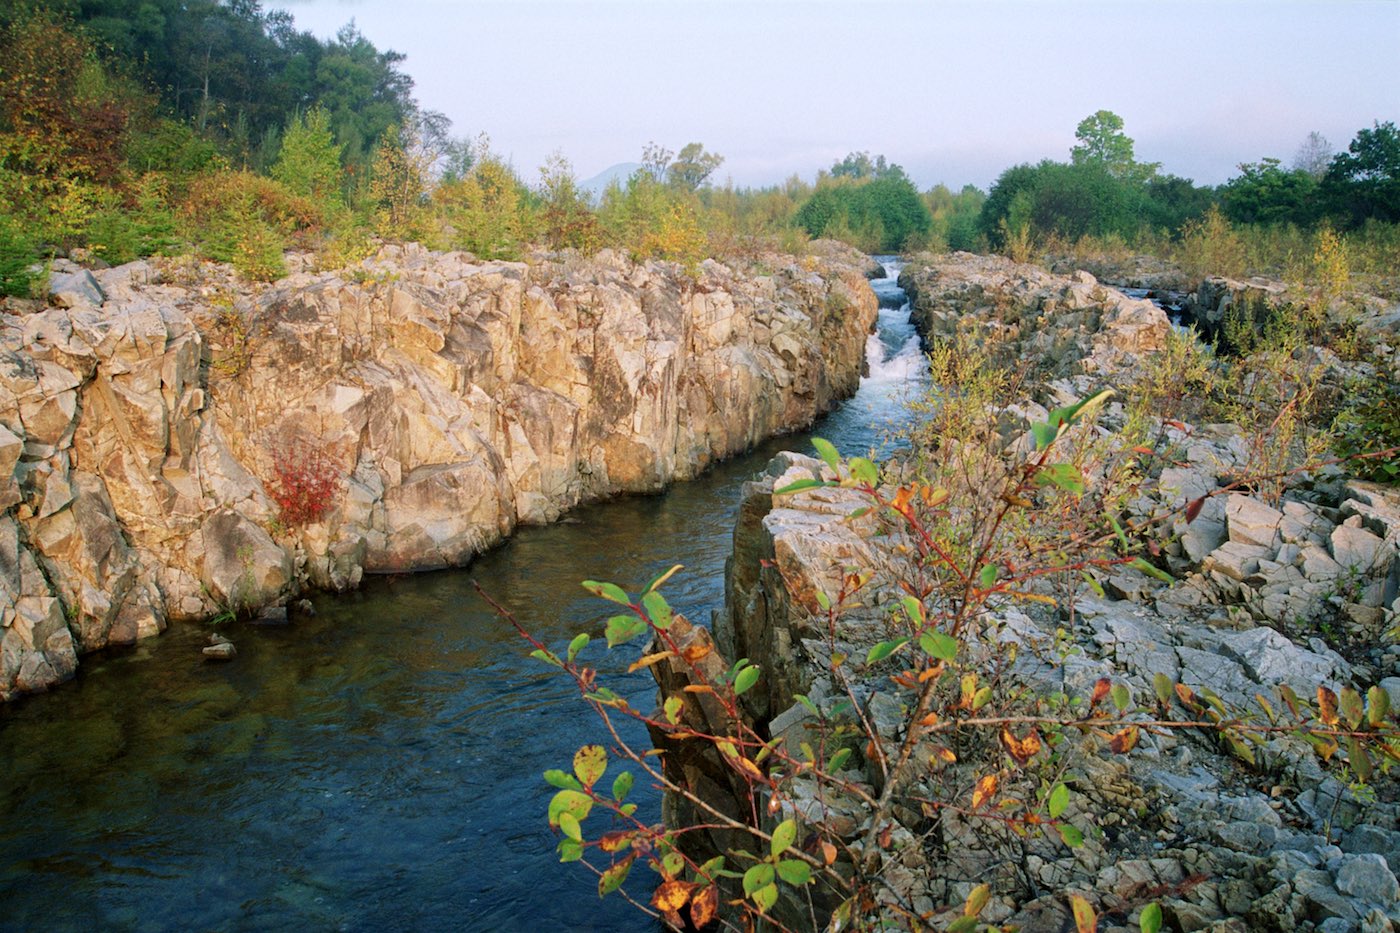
(622, 629)
(556, 778)
(573, 802)
(1162, 686)
(745, 679)
(590, 762)
(1065, 476)
(622, 786)
(612, 879)
(981, 698)
(799, 485)
(757, 877)
(673, 707)
(827, 451)
(568, 825)
(837, 760)
(1044, 435)
(661, 578)
(913, 609)
(884, 649)
(1150, 920)
(1137, 563)
(988, 576)
(784, 834)
(794, 871)
(658, 610)
(547, 657)
(673, 863)
(1059, 799)
(823, 601)
(609, 591)
(1377, 705)
(1118, 531)
(963, 924)
(570, 850)
(862, 470)
(628, 809)
(938, 645)
(765, 897)
(1071, 836)
(1093, 584)
(1353, 710)
(1121, 696)
(811, 707)
(580, 642)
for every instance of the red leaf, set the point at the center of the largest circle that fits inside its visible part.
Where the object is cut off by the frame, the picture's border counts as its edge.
(1193, 508)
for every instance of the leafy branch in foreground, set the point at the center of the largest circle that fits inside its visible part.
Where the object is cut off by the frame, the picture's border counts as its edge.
(918, 716)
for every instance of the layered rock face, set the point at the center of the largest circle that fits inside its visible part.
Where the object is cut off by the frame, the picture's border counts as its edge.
(148, 428)
(1289, 843)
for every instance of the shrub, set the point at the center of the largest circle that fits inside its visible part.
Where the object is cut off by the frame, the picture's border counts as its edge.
(17, 260)
(305, 482)
(1367, 430)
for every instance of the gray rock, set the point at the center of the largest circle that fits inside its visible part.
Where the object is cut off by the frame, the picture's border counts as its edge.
(1250, 521)
(1355, 548)
(221, 652)
(75, 289)
(1236, 559)
(1368, 878)
(1270, 659)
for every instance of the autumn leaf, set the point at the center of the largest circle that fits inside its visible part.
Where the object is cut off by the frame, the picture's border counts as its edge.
(1022, 750)
(704, 906)
(1085, 920)
(1193, 508)
(1327, 706)
(1124, 740)
(1101, 689)
(671, 896)
(984, 791)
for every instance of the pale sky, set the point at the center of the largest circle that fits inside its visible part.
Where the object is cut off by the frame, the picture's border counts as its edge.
(953, 91)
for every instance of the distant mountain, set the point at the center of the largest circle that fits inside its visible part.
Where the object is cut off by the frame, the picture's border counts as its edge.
(619, 173)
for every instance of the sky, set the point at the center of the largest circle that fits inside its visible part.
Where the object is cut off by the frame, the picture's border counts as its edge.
(955, 91)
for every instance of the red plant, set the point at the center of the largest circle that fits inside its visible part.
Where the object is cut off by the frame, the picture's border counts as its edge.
(305, 482)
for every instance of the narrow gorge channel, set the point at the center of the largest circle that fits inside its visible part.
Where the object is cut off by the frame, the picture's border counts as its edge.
(375, 767)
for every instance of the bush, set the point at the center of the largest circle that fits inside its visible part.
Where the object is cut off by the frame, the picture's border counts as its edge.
(1367, 430)
(305, 482)
(246, 220)
(17, 259)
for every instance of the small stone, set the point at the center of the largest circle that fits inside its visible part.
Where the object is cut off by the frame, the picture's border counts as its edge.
(1250, 521)
(306, 607)
(216, 639)
(223, 652)
(272, 615)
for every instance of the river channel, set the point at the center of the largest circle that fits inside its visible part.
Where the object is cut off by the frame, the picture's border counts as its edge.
(376, 766)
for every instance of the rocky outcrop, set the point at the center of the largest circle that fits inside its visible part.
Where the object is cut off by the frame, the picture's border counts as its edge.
(149, 426)
(1060, 325)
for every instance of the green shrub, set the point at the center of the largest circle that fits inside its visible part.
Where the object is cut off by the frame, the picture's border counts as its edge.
(1368, 424)
(17, 259)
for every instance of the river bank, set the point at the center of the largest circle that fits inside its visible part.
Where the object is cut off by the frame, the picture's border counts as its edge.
(173, 446)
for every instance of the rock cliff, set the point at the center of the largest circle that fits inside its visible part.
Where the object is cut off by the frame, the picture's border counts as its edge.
(149, 425)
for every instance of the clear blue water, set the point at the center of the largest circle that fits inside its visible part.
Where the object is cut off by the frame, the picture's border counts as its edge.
(376, 766)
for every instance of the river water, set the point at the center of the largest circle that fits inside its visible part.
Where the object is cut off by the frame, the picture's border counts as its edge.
(376, 766)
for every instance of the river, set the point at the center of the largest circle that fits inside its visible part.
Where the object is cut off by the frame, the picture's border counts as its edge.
(376, 766)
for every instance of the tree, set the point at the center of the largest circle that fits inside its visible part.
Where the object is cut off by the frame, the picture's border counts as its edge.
(309, 162)
(692, 167)
(1314, 155)
(1265, 193)
(1364, 182)
(1102, 142)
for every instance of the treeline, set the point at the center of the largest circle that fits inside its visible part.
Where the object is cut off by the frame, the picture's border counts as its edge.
(135, 127)
(1105, 196)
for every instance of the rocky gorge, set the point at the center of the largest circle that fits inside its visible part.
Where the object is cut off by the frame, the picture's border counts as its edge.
(151, 418)
(1257, 586)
